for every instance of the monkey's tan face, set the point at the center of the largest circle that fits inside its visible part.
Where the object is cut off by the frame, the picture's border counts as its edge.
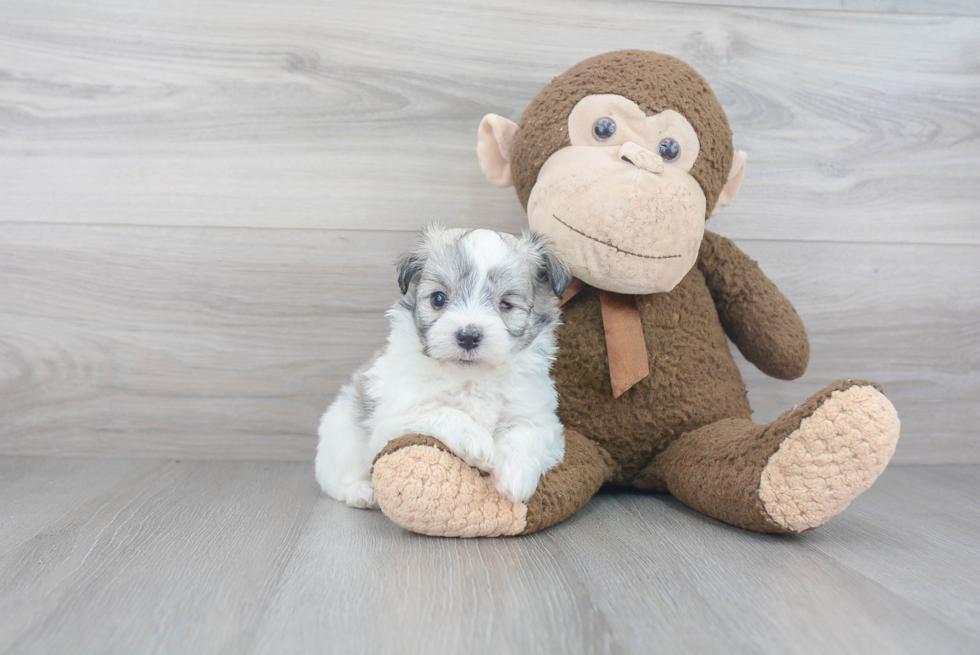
(619, 203)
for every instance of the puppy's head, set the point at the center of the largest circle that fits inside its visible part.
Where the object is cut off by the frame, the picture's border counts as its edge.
(477, 296)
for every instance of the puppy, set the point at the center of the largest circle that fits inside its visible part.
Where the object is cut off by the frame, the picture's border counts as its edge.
(471, 345)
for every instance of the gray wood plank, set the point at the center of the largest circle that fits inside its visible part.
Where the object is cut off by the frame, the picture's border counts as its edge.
(954, 7)
(946, 489)
(752, 593)
(230, 343)
(249, 557)
(374, 588)
(217, 343)
(39, 491)
(363, 115)
(182, 560)
(916, 536)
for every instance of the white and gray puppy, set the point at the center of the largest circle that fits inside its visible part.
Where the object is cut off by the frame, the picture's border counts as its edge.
(467, 362)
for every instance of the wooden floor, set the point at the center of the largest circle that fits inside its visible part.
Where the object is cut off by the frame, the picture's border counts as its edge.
(169, 556)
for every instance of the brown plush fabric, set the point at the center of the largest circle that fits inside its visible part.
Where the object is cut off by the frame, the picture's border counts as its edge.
(410, 440)
(790, 420)
(566, 488)
(716, 469)
(654, 81)
(693, 379)
(755, 315)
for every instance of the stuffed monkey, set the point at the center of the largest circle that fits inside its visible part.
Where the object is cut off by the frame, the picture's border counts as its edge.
(620, 161)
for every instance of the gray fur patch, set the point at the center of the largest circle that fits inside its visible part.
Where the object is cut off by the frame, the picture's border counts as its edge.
(364, 404)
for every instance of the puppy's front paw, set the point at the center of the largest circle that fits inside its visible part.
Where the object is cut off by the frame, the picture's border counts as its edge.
(475, 447)
(361, 495)
(515, 475)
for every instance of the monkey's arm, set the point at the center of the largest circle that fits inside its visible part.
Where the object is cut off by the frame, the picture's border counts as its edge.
(754, 313)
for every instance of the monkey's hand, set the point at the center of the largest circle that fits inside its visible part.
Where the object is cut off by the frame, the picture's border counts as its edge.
(756, 316)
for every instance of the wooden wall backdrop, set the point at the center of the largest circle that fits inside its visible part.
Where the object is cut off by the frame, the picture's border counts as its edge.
(200, 201)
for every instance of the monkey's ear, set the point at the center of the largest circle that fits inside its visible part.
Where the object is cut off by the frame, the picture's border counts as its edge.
(734, 183)
(493, 146)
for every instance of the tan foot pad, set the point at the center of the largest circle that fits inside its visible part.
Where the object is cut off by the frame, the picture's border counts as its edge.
(833, 456)
(429, 491)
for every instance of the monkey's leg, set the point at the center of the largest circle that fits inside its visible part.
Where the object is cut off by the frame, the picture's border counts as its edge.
(791, 475)
(424, 488)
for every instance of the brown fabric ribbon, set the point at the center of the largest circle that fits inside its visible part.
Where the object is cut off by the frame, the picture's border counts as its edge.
(625, 346)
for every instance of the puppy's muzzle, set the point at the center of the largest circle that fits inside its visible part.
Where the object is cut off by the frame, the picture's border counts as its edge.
(469, 338)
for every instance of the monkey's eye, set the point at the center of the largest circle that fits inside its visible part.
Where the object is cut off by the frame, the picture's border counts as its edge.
(604, 129)
(438, 299)
(504, 305)
(669, 149)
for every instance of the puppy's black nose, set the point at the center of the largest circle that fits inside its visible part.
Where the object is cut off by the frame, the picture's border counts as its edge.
(468, 338)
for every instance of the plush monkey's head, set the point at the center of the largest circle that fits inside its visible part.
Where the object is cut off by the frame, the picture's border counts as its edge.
(619, 160)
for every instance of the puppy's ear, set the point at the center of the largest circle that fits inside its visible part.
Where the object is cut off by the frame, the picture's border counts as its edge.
(557, 272)
(411, 263)
(551, 269)
(409, 268)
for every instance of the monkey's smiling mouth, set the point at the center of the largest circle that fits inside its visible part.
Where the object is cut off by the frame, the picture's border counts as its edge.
(613, 245)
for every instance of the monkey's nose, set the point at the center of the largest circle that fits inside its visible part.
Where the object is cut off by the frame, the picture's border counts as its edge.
(641, 157)
(468, 338)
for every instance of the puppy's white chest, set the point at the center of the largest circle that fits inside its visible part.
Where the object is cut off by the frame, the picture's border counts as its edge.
(483, 405)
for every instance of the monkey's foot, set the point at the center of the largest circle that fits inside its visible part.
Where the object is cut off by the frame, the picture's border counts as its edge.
(836, 453)
(424, 488)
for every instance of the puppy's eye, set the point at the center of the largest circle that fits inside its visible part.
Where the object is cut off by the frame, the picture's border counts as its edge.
(438, 299)
(604, 129)
(504, 305)
(669, 149)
